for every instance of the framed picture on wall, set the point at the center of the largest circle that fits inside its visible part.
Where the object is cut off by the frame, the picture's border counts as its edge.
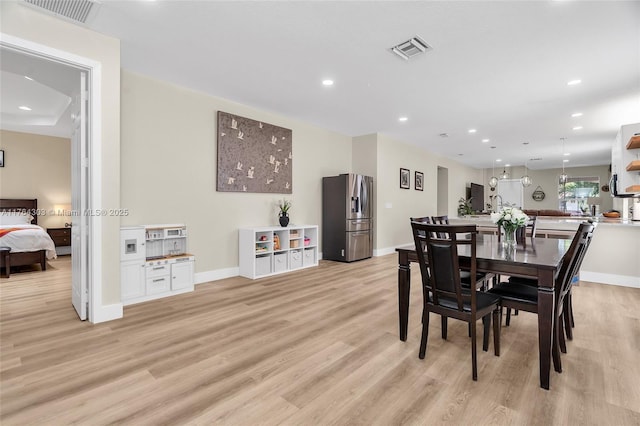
(419, 181)
(405, 178)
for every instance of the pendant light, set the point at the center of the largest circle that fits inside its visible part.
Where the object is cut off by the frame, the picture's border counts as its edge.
(525, 180)
(563, 177)
(493, 180)
(504, 175)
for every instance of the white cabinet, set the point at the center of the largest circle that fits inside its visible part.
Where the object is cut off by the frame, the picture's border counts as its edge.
(154, 262)
(274, 250)
(181, 275)
(625, 159)
(132, 280)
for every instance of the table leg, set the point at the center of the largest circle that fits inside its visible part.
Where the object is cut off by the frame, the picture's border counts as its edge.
(404, 288)
(546, 303)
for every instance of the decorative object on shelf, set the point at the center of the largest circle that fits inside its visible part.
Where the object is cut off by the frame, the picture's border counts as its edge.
(526, 179)
(419, 181)
(253, 156)
(510, 219)
(405, 180)
(284, 205)
(563, 177)
(464, 207)
(538, 194)
(493, 180)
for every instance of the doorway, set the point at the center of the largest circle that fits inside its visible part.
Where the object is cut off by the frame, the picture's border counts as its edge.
(85, 177)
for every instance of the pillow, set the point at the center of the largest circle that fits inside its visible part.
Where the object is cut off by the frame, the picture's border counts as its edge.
(15, 218)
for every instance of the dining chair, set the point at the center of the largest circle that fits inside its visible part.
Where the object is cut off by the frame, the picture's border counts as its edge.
(482, 278)
(524, 297)
(534, 283)
(443, 291)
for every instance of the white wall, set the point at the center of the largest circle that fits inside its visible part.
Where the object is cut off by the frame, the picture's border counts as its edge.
(24, 22)
(393, 223)
(39, 167)
(168, 163)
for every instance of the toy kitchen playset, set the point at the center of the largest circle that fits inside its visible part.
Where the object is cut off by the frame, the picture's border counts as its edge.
(154, 262)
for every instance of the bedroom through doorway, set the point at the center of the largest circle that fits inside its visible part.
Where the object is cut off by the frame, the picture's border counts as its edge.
(55, 90)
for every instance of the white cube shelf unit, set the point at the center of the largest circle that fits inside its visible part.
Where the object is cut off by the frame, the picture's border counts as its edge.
(274, 250)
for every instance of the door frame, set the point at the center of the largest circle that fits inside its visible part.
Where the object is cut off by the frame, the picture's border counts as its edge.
(94, 124)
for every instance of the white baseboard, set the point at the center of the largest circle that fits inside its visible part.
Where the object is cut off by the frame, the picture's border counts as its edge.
(107, 313)
(388, 250)
(611, 279)
(218, 274)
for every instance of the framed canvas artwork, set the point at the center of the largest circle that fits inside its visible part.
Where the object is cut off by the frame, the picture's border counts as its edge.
(253, 156)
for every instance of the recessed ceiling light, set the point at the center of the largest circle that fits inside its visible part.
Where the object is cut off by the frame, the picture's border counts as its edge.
(498, 160)
(567, 153)
(576, 114)
(493, 147)
(403, 119)
(28, 78)
(507, 165)
(327, 82)
(574, 82)
(472, 130)
(485, 140)
(444, 135)
(565, 161)
(24, 108)
(525, 143)
(577, 128)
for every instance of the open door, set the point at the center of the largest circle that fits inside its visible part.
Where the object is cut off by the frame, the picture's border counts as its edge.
(80, 199)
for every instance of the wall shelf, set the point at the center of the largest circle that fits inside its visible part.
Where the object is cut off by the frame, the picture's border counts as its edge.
(634, 142)
(633, 166)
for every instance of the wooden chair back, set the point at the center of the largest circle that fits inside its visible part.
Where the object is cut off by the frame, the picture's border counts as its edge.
(573, 261)
(440, 220)
(442, 287)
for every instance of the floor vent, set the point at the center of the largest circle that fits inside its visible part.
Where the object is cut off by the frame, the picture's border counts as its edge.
(411, 48)
(78, 11)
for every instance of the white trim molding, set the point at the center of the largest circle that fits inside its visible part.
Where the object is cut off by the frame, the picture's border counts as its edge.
(107, 313)
(97, 312)
(215, 275)
(610, 279)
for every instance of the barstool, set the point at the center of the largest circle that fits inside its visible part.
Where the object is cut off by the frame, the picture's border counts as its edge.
(5, 255)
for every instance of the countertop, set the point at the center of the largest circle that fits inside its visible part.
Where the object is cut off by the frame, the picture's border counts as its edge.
(555, 222)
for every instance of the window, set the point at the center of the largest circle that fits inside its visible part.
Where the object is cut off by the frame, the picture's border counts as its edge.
(573, 195)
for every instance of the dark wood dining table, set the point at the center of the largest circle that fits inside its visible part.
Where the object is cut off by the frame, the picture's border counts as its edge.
(539, 258)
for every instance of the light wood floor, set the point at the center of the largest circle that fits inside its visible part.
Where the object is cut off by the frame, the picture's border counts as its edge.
(318, 346)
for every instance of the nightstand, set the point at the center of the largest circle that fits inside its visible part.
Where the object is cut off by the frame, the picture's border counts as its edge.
(62, 239)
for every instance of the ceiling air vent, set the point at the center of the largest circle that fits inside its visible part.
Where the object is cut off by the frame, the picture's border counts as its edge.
(411, 48)
(78, 11)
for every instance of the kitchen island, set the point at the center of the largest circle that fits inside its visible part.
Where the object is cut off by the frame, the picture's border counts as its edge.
(614, 253)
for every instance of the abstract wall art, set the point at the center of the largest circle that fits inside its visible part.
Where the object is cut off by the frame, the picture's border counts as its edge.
(253, 156)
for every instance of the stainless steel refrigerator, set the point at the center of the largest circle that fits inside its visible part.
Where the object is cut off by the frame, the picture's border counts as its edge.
(347, 217)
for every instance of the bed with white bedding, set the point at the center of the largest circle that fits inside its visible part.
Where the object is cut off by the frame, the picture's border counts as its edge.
(27, 238)
(29, 243)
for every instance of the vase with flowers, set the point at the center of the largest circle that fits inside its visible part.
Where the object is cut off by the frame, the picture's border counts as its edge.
(510, 219)
(283, 217)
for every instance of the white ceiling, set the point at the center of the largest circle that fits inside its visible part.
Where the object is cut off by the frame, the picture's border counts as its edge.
(499, 67)
(47, 91)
